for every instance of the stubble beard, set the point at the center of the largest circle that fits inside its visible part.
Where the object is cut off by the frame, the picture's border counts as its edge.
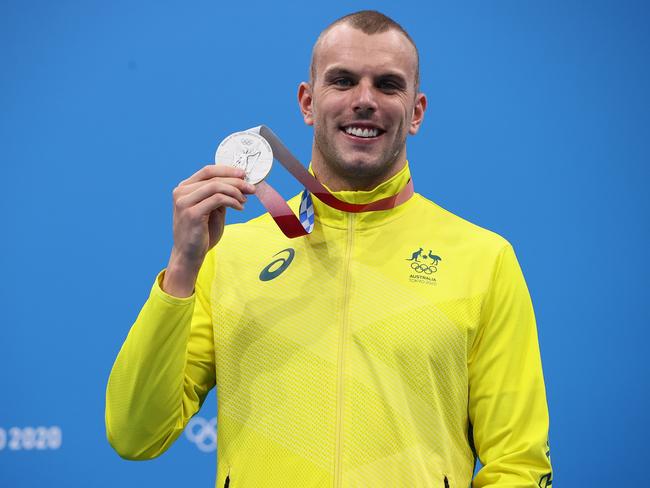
(361, 174)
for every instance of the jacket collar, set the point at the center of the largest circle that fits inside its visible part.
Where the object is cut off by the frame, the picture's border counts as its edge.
(331, 217)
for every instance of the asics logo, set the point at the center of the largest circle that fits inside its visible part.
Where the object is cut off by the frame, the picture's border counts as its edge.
(276, 268)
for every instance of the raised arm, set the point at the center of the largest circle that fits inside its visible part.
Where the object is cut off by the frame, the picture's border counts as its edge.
(166, 365)
(163, 371)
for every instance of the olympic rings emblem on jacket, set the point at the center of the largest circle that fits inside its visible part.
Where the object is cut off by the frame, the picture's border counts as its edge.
(423, 268)
(203, 433)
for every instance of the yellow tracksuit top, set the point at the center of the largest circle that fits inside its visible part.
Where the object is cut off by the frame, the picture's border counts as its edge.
(385, 349)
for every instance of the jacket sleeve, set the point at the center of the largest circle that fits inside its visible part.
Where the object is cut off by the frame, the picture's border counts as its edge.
(507, 405)
(163, 371)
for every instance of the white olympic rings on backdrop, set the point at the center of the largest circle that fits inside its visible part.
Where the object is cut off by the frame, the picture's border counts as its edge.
(203, 433)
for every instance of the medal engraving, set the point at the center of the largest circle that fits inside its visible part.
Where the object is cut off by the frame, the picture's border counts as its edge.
(247, 151)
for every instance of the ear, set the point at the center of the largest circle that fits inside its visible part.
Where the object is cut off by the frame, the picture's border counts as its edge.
(418, 113)
(305, 100)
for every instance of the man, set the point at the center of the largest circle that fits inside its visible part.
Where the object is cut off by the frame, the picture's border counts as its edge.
(344, 362)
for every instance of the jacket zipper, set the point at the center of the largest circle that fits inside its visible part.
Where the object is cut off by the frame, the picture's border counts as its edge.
(338, 466)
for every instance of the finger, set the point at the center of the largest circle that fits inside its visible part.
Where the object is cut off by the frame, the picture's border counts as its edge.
(208, 189)
(213, 170)
(241, 185)
(210, 204)
(180, 192)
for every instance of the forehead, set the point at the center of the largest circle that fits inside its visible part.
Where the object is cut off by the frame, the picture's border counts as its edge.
(343, 46)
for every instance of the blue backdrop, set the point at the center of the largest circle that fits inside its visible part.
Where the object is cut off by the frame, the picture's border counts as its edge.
(537, 128)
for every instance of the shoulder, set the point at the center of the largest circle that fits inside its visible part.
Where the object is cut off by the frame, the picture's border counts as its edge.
(455, 229)
(470, 254)
(258, 234)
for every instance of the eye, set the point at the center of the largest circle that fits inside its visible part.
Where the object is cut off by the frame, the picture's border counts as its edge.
(388, 85)
(343, 82)
(391, 83)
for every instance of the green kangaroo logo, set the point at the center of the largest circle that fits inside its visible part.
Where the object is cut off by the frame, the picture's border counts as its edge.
(416, 255)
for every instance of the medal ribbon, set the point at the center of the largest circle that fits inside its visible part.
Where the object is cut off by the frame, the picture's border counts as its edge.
(290, 225)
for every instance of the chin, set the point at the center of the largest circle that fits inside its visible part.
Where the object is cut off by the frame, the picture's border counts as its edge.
(363, 167)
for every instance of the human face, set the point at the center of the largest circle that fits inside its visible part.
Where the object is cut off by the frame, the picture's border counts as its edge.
(362, 104)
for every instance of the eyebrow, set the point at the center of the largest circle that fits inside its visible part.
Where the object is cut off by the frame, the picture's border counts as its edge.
(338, 71)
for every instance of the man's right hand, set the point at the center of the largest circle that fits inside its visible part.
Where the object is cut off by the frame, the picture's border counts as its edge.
(199, 215)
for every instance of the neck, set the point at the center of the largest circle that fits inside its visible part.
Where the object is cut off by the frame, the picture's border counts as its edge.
(335, 180)
(395, 187)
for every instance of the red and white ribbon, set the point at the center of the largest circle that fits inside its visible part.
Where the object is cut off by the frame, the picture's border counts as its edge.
(291, 225)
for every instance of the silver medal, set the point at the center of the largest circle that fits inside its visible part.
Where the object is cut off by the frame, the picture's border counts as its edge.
(248, 151)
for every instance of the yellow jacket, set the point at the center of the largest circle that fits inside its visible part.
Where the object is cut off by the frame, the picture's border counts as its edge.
(386, 349)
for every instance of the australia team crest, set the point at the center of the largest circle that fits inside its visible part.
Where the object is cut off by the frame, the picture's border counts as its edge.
(423, 266)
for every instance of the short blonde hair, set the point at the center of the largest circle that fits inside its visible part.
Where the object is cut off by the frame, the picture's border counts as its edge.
(369, 22)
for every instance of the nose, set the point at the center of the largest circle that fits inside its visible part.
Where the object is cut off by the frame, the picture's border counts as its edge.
(364, 102)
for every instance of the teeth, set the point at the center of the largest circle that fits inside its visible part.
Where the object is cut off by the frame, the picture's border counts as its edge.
(359, 132)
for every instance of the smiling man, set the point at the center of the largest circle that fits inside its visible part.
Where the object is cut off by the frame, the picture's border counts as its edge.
(388, 348)
(362, 100)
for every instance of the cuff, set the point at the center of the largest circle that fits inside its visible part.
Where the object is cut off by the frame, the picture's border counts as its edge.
(157, 291)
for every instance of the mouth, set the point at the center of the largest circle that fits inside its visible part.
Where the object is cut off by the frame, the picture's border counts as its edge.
(362, 131)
